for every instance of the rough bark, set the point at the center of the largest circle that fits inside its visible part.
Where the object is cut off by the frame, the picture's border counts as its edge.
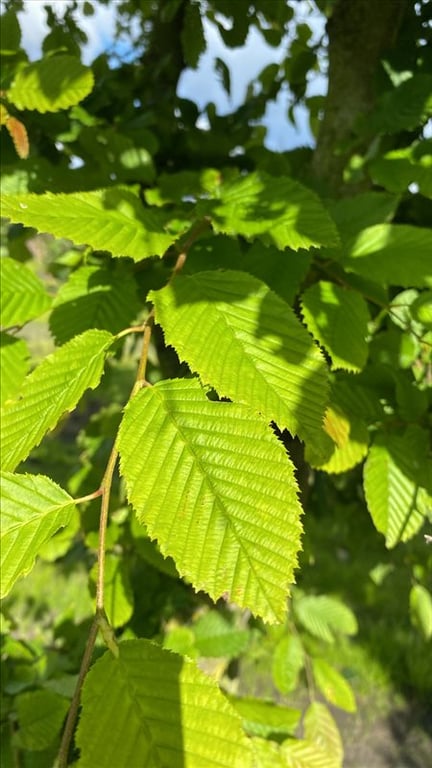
(359, 32)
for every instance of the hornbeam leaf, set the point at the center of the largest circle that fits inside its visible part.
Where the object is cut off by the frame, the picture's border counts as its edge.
(54, 387)
(14, 364)
(151, 707)
(278, 210)
(394, 254)
(94, 297)
(106, 219)
(397, 484)
(51, 84)
(23, 295)
(33, 510)
(324, 616)
(321, 729)
(246, 342)
(333, 685)
(216, 490)
(338, 319)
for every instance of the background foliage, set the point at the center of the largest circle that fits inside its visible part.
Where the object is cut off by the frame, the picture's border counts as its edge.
(252, 332)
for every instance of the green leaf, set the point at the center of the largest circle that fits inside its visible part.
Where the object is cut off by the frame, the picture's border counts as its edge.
(338, 318)
(395, 254)
(216, 490)
(267, 754)
(282, 272)
(33, 509)
(192, 35)
(288, 660)
(112, 220)
(300, 753)
(118, 596)
(404, 108)
(244, 341)
(51, 84)
(14, 364)
(396, 483)
(23, 295)
(278, 210)
(151, 707)
(94, 297)
(215, 636)
(40, 718)
(321, 729)
(54, 387)
(350, 438)
(398, 169)
(353, 214)
(324, 617)
(333, 686)
(263, 718)
(420, 601)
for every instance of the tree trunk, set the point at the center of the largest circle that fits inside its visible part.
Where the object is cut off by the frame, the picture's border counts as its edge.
(359, 32)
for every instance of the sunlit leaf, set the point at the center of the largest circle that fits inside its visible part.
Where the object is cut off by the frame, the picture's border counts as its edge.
(23, 295)
(33, 509)
(55, 386)
(216, 490)
(151, 707)
(51, 84)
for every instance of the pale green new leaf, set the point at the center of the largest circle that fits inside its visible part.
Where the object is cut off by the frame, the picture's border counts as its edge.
(396, 484)
(33, 509)
(263, 718)
(324, 617)
(14, 364)
(338, 319)
(118, 596)
(94, 297)
(112, 220)
(40, 718)
(393, 254)
(278, 210)
(51, 84)
(420, 601)
(350, 438)
(333, 685)
(55, 386)
(288, 660)
(215, 636)
(244, 341)
(153, 708)
(268, 754)
(321, 729)
(216, 489)
(305, 754)
(22, 294)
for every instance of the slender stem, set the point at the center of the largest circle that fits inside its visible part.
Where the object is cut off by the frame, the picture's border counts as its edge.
(89, 497)
(100, 621)
(103, 522)
(73, 710)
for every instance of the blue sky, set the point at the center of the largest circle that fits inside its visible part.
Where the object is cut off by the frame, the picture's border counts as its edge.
(201, 85)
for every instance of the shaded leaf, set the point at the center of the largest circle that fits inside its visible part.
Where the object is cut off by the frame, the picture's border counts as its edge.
(244, 341)
(396, 483)
(118, 595)
(151, 707)
(94, 297)
(33, 509)
(192, 35)
(338, 318)
(420, 601)
(216, 490)
(395, 254)
(55, 386)
(40, 718)
(278, 210)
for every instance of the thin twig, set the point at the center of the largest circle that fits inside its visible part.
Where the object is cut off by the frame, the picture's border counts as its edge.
(74, 707)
